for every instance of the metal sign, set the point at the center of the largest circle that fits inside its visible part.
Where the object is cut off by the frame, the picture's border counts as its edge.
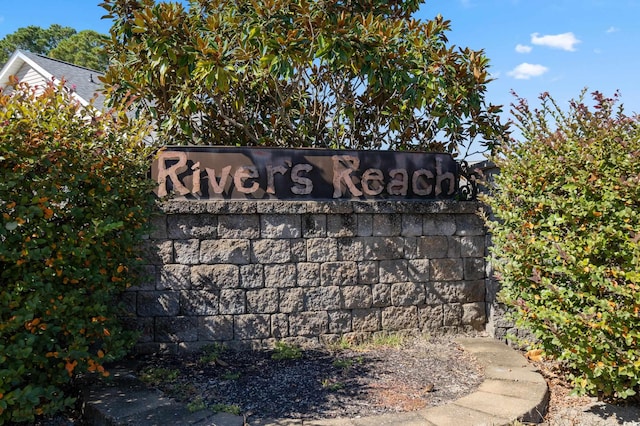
(250, 173)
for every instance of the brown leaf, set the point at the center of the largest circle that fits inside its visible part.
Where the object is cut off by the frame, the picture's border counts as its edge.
(535, 355)
(535, 276)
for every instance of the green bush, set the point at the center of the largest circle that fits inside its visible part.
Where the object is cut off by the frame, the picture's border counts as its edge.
(74, 202)
(565, 238)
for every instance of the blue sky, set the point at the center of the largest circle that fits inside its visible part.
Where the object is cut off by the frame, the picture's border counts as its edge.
(555, 46)
(534, 46)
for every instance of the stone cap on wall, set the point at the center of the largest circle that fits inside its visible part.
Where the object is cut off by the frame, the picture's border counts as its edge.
(318, 207)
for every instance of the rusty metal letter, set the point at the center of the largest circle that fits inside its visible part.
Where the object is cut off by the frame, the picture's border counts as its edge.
(371, 176)
(398, 186)
(218, 188)
(271, 173)
(440, 177)
(171, 172)
(343, 165)
(304, 185)
(243, 173)
(196, 179)
(418, 188)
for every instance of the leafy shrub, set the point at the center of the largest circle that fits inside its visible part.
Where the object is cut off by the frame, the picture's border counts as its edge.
(565, 238)
(73, 205)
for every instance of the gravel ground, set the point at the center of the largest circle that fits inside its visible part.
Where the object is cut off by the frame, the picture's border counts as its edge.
(567, 410)
(327, 383)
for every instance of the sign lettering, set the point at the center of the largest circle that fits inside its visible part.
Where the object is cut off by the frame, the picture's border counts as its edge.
(304, 174)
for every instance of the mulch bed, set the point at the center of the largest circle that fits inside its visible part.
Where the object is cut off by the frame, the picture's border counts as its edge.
(351, 382)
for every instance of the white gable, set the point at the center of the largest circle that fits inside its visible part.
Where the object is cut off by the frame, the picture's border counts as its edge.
(32, 77)
(29, 71)
(24, 68)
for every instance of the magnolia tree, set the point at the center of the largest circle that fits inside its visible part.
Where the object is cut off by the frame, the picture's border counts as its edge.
(334, 73)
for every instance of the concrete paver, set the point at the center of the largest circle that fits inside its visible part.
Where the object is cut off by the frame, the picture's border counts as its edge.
(413, 418)
(497, 405)
(455, 415)
(522, 390)
(113, 405)
(275, 422)
(511, 374)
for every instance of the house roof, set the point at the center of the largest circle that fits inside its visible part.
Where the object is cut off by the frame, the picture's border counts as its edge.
(82, 82)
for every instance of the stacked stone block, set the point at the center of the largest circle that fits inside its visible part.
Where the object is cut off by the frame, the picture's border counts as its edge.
(249, 273)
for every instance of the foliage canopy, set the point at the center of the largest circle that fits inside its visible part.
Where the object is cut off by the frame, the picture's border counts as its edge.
(34, 39)
(74, 203)
(333, 73)
(566, 238)
(84, 48)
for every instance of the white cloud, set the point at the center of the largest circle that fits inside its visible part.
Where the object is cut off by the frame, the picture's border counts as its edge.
(564, 41)
(525, 71)
(612, 30)
(521, 48)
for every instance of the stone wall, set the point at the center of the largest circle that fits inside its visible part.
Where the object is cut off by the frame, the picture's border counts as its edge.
(249, 273)
(499, 325)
